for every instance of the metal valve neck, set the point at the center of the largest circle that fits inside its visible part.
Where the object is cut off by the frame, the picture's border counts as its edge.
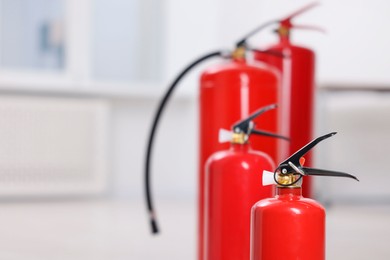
(239, 53)
(239, 138)
(290, 192)
(291, 180)
(283, 31)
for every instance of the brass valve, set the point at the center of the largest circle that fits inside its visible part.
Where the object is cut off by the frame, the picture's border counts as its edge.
(290, 180)
(239, 138)
(239, 53)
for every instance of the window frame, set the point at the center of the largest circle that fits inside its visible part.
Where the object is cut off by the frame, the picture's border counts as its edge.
(76, 68)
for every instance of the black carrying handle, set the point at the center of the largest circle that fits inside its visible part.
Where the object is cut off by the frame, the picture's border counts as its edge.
(305, 149)
(266, 133)
(243, 41)
(292, 164)
(244, 124)
(321, 172)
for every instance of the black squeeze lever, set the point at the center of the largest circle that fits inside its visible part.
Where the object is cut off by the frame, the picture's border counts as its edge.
(293, 165)
(265, 133)
(246, 125)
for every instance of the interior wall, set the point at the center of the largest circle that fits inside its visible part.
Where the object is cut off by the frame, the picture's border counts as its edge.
(174, 158)
(361, 147)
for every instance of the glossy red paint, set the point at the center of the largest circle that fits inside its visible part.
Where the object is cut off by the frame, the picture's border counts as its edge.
(233, 185)
(230, 92)
(297, 97)
(288, 227)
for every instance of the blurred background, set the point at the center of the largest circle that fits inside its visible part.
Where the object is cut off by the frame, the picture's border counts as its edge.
(80, 81)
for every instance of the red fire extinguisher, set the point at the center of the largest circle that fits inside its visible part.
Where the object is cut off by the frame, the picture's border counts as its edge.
(298, 87)
(228, 92)
(289, 226)
(231, 189)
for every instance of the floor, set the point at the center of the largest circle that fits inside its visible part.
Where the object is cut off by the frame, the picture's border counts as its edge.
(103, 229)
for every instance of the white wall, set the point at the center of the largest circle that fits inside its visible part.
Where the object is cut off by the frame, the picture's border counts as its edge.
(174, 157)
(352, 52)
(361, 147)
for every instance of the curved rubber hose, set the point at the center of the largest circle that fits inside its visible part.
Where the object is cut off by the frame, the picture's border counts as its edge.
(157, 116)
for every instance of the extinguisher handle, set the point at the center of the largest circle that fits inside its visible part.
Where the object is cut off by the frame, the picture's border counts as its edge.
(244, 128)
(293, 164)
(244, 39)
(285, 24)
(265, 133)
(300, 11)
(295, 158)
(321, 172)
(309, 27)
(246, 124)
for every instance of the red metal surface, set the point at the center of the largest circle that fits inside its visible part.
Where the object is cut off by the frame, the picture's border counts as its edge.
(233, 185)
(297, 98)
(228, 93)
(288, 227)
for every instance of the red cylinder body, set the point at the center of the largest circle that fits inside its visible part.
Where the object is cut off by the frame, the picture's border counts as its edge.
(297, 98)
(288, 227)
(230, 92)
(232, 187)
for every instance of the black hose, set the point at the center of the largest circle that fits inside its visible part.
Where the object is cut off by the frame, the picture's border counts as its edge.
(157, 116)
(243, 41)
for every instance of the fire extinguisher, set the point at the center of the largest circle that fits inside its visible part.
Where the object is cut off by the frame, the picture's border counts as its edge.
(290, 226)
(228, 92)
(298, 87)
(231, 189)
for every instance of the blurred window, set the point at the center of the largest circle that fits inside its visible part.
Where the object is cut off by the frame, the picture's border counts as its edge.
(82, 40)
(32, 34)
